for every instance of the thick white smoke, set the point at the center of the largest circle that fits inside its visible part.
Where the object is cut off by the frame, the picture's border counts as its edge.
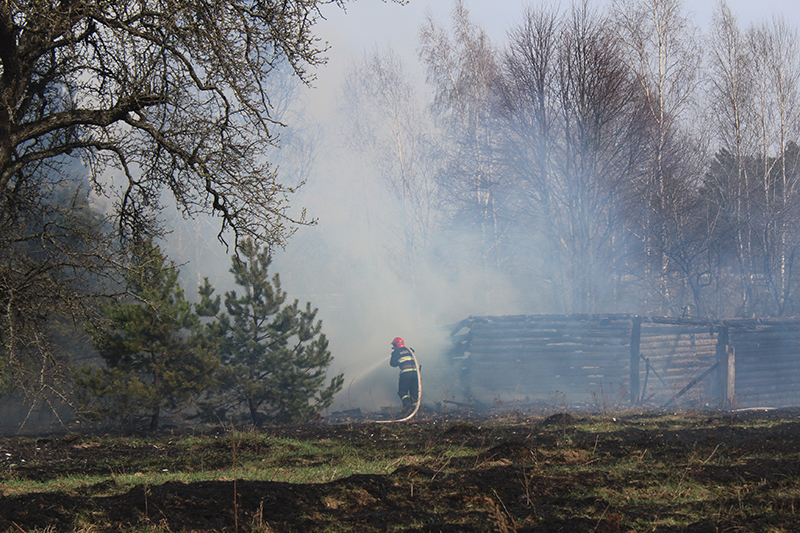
(343, 265)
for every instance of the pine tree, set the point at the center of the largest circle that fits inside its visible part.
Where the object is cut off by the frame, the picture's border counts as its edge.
(156, 354)
(275, 356)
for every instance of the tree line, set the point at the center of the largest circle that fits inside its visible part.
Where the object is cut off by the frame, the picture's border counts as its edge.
(601, 161)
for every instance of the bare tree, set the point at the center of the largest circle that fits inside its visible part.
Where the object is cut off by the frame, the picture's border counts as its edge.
(528, 111)
(662, 47)
(54, 257)
(731, 93)
(168, 94)
(462, 69)
(394, 136)
(602, 127)
(575, 129)
(776, 72)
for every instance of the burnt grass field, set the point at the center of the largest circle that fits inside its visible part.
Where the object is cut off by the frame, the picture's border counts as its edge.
(676, 471)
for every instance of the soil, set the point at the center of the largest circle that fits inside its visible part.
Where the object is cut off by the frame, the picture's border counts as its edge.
(522, 476)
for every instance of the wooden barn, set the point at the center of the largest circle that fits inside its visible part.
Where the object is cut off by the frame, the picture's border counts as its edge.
(604, 362)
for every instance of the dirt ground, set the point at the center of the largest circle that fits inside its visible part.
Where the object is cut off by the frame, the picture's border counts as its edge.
(545, 474)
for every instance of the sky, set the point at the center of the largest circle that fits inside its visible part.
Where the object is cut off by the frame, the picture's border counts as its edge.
(339, 265)
(366, 24)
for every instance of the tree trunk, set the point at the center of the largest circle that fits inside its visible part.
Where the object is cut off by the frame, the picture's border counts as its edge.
(253, 411)
(154, 417)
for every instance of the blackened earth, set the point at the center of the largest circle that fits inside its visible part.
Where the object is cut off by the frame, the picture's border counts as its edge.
(510, 473)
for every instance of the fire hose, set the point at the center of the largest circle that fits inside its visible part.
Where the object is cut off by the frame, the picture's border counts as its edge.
(419, 395)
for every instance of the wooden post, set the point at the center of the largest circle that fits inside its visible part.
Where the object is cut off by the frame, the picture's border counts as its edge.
(728, 373)
(636, 338)
(726, 370)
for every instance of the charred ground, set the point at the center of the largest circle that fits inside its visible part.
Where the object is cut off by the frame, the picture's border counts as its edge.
(687, 471)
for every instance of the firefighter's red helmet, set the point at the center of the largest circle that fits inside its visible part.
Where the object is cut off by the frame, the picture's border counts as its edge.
(398, 342)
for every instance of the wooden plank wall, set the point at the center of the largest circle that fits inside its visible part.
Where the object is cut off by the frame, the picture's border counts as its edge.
(673, 353)
(534, 359)
(767, 362)
(585, 360)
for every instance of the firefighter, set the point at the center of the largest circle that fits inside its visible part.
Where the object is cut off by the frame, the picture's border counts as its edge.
(408, 386)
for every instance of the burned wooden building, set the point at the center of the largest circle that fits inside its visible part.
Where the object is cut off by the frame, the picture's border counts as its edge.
(616, 361)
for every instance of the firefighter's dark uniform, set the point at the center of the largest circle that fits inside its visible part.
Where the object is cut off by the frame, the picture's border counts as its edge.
(408, 386)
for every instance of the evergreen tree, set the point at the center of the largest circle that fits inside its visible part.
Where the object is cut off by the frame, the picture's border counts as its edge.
(156, 352)
(274, 356)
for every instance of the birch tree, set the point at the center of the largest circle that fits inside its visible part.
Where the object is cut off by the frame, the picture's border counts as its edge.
(389, 127)
(462, 70)
(776, 73)
(731, 93)
(662, 48)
